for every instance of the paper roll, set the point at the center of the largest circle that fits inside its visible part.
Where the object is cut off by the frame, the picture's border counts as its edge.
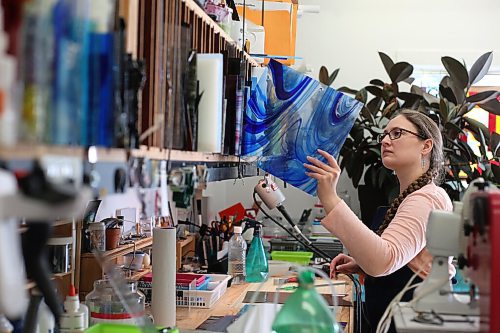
(164, 266)
(209, 71)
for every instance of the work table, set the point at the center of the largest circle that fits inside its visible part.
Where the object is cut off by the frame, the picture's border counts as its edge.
(232, 302)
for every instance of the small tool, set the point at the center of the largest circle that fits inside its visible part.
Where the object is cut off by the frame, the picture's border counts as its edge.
(338, 283)
(280, 281)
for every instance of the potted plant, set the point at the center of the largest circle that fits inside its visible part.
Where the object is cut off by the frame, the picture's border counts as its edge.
(360, 155)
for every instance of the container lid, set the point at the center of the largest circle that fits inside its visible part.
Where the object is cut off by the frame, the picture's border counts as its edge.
(60, 241)
(97, 226)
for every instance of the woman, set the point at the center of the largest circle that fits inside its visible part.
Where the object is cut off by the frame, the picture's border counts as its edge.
(411, 147)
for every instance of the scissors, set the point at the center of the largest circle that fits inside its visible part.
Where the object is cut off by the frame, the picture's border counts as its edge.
(215, 226)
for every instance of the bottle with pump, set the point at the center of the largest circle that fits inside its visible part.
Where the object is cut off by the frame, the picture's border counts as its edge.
(75, 318)
(305, 310)
(237, 256)
(257, 266)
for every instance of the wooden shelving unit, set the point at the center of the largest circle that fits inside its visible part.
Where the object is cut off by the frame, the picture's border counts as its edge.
(88, 269)
(137, 275)
(29, 152)
(124, 249)
(193, 6)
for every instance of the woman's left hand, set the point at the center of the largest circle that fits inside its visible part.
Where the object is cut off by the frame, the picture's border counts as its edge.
(327, 176)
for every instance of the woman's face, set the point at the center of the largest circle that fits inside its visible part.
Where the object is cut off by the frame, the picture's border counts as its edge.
(402, 152)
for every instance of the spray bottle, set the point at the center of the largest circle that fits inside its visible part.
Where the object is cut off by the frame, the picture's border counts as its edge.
(257, 266)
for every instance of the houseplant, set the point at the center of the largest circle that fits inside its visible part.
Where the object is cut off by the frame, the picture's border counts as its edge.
(360, 155)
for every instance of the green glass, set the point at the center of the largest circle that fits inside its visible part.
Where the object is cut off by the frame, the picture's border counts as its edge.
(257, 266)
(305, 311)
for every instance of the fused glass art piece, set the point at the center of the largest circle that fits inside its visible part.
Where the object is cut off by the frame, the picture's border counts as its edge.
(288, 117)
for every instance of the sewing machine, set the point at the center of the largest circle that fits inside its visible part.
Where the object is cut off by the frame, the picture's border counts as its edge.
(472, 234)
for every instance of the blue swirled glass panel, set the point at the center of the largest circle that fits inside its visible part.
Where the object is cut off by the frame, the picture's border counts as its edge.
(288, 117)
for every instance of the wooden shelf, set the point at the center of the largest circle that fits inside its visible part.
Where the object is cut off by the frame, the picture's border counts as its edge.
(137, 275)
(191, 4)
(123, 249)
(119, 155)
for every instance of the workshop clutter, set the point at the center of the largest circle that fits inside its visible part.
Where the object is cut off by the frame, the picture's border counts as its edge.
(193, 290)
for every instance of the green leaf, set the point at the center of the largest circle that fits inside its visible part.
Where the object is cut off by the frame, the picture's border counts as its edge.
(443, 110)
(483, 145)
(409, 80)
(362, 96)
(409, 97)
(492, 106)
(390, 109)
(417, 90)
(480, 67)
(495, 169)
(495, 144)
(347, 90)
(463, 110)
(375, 91)
(358, 168)
(332, 77)
(381, 177)
(323, 75)
(368, 115)
(447, 92)
(400, 72)
(452, 130)
(377, 82)
(457, 72)
(374, 105)
(483, 96)
(476, 127)
(387, 61)
(458, 92)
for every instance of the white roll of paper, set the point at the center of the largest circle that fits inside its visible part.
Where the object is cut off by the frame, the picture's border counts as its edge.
(164, 267)
(209, 71)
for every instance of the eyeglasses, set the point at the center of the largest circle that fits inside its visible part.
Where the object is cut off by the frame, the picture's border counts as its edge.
(395, 133)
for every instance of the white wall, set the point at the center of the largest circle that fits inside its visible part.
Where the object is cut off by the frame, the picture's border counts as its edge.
(348, 35)
(228, 192)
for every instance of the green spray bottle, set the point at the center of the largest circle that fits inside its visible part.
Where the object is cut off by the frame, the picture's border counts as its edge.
(305, 311)
(257, 266)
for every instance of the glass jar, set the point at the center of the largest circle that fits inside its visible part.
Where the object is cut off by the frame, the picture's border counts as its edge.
(97, 232)
(105, 305)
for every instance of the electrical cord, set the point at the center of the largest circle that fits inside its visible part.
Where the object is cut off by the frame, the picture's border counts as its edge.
(359, 307)
(311, 247)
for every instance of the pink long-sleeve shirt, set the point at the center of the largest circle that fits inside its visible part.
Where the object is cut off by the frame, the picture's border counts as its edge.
(402, 242)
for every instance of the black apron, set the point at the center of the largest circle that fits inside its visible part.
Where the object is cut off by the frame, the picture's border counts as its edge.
(380, 291)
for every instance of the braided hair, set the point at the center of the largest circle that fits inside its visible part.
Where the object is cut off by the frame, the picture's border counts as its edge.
(423, 180)
(428, 129)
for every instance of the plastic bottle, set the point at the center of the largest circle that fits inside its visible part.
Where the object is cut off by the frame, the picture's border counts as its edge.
(305, 311)
(5, 325)
(75, 319)
(257, 266)
(236, 257)
(46, 320)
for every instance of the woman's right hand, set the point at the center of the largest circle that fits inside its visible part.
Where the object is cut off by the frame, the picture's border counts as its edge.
(343, 264)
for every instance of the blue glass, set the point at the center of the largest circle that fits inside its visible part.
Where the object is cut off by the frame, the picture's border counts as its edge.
(288, 117)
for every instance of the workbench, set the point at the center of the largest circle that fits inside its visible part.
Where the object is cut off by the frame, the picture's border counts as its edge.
(232, 302)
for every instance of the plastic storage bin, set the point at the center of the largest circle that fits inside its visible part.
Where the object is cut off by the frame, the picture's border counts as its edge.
(120, 328)
(204, 298)
(302, 258)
